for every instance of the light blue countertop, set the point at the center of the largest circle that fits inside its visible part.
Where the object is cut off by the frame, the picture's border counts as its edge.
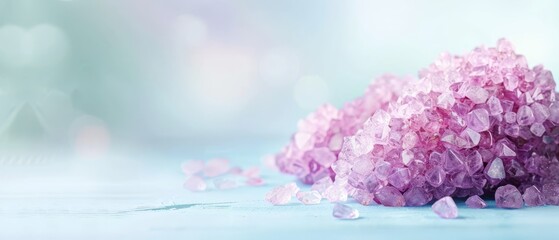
(153, 205)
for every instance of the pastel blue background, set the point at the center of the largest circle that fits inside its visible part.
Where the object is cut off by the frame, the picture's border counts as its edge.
(100, 102)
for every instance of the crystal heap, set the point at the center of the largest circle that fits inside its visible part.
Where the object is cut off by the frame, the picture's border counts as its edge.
(316, 144)
(469, 125)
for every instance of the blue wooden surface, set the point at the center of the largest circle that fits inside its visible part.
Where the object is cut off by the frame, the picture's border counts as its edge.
(153, 205)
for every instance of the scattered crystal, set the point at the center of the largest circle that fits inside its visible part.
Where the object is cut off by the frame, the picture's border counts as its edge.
(475, 202)
(342, 211)
(216, 167)
(508, 196)
(192, 167)
(445, 208)
(309, 198)
(224, 183)
(281, 195)
(195, 184)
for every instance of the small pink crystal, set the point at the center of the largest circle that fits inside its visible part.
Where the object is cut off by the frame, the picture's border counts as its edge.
(508, 196)
(216, 167)
(192, 167)
(533, 197)
(255, 181)
(225, 183)
(551, 193)
(251, 172)
(390, 197)
(475, 202)
(322, 184)
(335, 193)
(342, 211)
(280, 195)
(195, 184)
(309, 198)
(445, 208)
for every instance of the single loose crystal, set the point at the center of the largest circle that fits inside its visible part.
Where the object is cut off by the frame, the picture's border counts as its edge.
(508, 196)
(195, 184)
(445, 208)
(342, 211)
(309, 198)
(475, 202)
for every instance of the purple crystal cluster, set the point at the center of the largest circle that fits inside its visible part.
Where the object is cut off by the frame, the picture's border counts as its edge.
(318, 141)
(480, 124)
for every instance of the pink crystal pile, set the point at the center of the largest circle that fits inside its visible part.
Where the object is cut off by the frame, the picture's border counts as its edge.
(471, 123)
(198, 173)
(481, 124)
(316, 144)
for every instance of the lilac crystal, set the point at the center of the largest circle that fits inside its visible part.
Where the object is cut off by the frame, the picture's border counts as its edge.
(508, 196)
(309, 198)
(474, 125)
(445, 208)
(342, 211)
(475, 202)
(533, 197)
(319, 138)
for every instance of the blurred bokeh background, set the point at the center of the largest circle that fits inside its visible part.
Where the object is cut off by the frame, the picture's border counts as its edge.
(86, 78)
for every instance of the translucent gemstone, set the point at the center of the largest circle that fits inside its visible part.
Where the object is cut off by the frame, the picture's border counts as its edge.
(195, 184)
(251, 172)
(525, 116)
(494, 105)
(390, 197)
(537, 129)
(475, 202)
(363, 166)
(477, 94)
(445, 208)
(551, 193)
(417, 196)
(224, 183)
(541, 112)
(474, 162)
(342, 211)
(400, 178)
(554, 112)
(510, 117)
(495, 171)
(322, 184)
(280, 195)
(409, 140)
(471, 137)
(407, 156)
(255, 181)
(323, 156)
(478, 120)
(435, 176)
(453, 160)
(335, 193)
(216, 167)
(364, 197)
(309, 198)
(192, 167)
(533, 197)
(508, 196)
(292, 188)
